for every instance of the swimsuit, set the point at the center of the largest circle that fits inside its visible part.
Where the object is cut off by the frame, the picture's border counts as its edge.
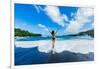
(53, 38)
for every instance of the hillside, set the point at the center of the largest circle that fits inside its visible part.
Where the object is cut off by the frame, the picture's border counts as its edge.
(23, 33)
(89, 32)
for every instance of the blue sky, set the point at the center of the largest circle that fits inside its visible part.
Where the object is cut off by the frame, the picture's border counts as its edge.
(40, 18)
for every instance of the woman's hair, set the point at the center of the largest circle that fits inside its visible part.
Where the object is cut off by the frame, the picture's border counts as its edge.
(52, 32)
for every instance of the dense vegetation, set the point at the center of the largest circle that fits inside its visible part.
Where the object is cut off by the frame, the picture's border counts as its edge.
(89, 32)
(23, 33)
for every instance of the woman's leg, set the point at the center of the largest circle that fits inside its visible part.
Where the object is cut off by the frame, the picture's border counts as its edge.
(53, 45)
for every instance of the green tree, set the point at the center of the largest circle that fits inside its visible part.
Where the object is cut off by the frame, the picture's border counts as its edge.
(23, 33)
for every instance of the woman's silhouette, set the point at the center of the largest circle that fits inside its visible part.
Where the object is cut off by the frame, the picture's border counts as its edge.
(53, 35)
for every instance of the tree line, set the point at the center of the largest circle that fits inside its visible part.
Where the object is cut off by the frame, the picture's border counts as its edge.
(23, 33)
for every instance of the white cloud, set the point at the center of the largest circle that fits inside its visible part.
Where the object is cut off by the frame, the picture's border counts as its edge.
(73, 27)
(40, 25)
(80, 19)
(37, 8)
(54, 13)
(72, 14)
(43, 26)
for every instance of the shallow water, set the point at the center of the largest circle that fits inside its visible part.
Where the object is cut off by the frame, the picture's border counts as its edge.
(49, 38)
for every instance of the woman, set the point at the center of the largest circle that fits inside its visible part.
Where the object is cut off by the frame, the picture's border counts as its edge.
(53, 33)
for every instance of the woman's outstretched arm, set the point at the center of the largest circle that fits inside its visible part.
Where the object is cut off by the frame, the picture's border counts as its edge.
(49, 30)
(57, 30)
